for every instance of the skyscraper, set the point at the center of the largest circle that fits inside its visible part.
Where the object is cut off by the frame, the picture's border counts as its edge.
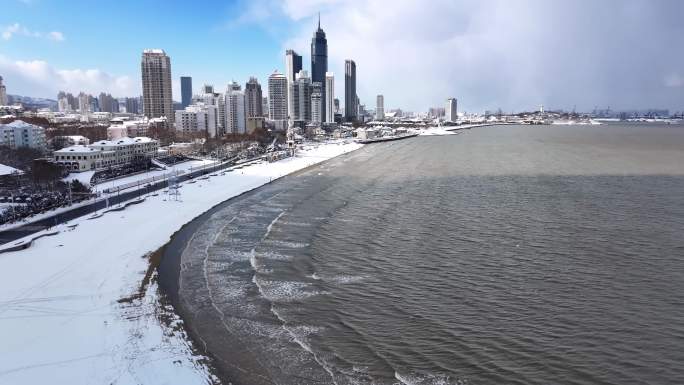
(293, 64)
(253, 98)
(186, 91)
(277, 96)
(380, 107)
(319, 61)
(329, 97)
(350, 102)
(450, 111)
(235, 110)
(301, 97)
(3, 93)
(156, 84)
(317, 103)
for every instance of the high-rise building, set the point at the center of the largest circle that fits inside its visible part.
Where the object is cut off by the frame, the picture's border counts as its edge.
(107, 103)
(450, 111)
(329, 97)
(3, 93)
(350, 101)
(293, 64)
(380, 107)
(186, 91)
(156, 84)
(337, 105)
(301, 97)
(319, 61)
(235, 110)
(277, 96)
(317, 103)
(264, 106)
(132, 105)
(198, 117)
(84, 105)
(253, 100)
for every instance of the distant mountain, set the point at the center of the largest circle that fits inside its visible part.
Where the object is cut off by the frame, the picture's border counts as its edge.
(31, 102)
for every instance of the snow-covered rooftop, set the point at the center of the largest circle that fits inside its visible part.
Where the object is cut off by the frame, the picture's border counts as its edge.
(7, 170)
(76, 148)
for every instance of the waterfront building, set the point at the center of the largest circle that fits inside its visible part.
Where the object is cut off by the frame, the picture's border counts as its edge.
(235, 110)
(350, 99)
(20, 134)
(3, 93)
(319, 61)
(330, 98)
(156, 84)
(253, 98)
(106, 153)
(380, 107)
(277, 97)
(293, 64)
(186, 91)
(450, 111)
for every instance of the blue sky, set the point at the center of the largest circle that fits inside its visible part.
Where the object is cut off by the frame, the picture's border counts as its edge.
(509, 54)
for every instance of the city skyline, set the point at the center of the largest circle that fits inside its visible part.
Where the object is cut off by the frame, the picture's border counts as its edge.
(490, 55)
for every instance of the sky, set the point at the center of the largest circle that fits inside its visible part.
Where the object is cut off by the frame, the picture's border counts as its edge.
(489, 54)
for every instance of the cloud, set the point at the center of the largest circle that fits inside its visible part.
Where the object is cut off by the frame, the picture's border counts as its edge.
(674, 80)
(498, 53)
(39, 78)
(17, 29)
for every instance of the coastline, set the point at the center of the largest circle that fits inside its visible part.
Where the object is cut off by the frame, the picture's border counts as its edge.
(89, 272)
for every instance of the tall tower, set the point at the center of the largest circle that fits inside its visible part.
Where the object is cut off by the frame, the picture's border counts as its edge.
(3, 93)
(293, 64)
(277, 97)
(350, 103)
(319, 61)
(451, 110)
(380, 108)
(156, 84)
(329, 97)
(235, 110)
(186, 91)
(253, 98)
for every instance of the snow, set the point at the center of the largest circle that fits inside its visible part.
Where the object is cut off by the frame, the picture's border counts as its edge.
(8, 170)
(432, 131)
(62, 321)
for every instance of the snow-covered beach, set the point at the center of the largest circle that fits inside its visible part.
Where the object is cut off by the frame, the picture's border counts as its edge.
(79, 307)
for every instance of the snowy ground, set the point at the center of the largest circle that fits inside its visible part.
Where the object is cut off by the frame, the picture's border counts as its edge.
(62, 318)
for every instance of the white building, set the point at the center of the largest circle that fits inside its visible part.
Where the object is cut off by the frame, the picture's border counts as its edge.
(21, 134)
(316, 104)
(451, 110)
(277, 97)
(3, 93)
(329, 97)
(79, 158)
(380, 108)
(235, 110)
(198, 117)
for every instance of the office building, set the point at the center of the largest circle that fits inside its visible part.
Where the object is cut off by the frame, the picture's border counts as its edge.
(317, 103)
(319, 60)
(350, 101)
(293, 64)
(253, 101)
(186, 91)
(156, 84)
(301, 95)
(380, 107)
(450, 111)
(277, 97)
(235, 110)
(198, 117)
(329, 97)
(264, 106)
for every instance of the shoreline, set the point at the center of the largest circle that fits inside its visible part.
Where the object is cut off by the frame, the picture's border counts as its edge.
(98, 274)
(169, 267)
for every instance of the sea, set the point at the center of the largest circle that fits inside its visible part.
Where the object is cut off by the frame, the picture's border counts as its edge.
(496, 255)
